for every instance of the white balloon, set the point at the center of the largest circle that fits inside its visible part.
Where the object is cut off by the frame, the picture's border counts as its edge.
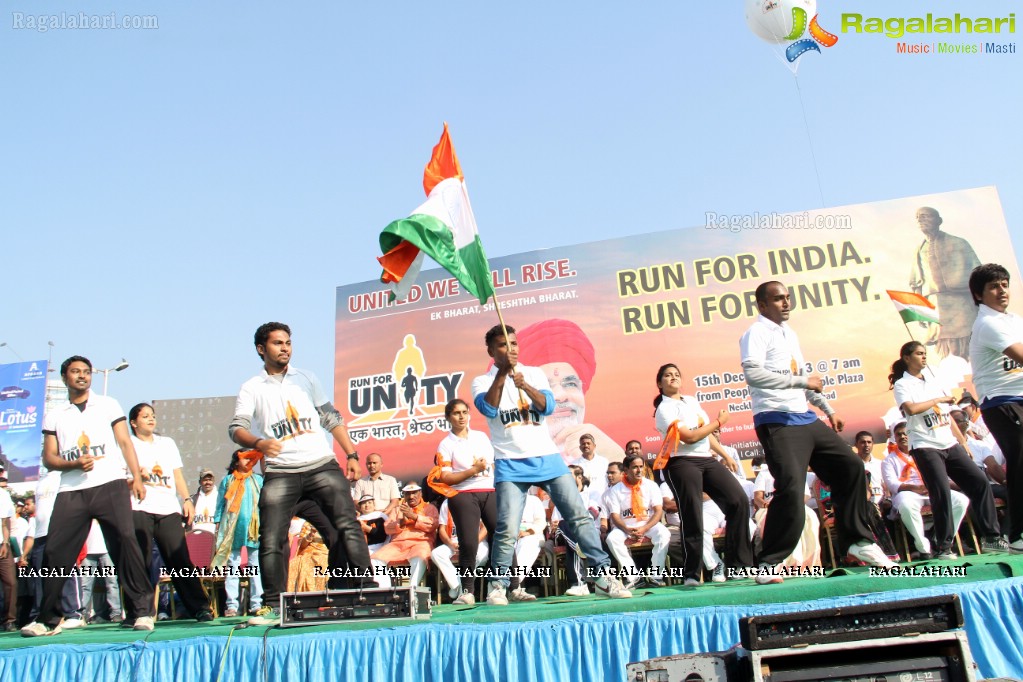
(772, 20)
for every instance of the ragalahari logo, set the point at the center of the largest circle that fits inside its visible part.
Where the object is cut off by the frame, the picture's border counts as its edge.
(789, 21)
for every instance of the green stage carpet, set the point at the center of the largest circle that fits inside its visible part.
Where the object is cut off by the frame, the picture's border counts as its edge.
(842, 582)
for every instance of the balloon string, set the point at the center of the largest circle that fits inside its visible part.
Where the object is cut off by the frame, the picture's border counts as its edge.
(809, 140)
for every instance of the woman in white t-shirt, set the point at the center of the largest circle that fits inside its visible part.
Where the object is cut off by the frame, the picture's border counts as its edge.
(161, 516)
(466, 458)
(939, 449)
(691, 470)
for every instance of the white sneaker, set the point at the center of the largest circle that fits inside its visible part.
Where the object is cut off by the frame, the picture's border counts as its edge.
(766, 575)
(870, 554)
(577, 591)
(719, 573)
(454, 592)
(611, 587)
(465, 598)
(1016, 547)
(39, 630)
(520, 594)
(143, 623)
(72, 623)
(691, 582)
(497, 595)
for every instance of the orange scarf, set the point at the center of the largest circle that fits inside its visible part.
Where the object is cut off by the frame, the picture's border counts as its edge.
(670, 445)
(236, 488)
(433, 478)
(908, 468)
(638, 505)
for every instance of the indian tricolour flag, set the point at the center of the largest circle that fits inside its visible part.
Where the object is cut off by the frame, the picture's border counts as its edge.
(443, 228)
(913, 307)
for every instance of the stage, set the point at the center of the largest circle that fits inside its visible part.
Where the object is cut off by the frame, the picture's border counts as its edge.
(551, 639)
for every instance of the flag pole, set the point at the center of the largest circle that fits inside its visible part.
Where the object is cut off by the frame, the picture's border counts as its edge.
(929, 368)
(523, 403)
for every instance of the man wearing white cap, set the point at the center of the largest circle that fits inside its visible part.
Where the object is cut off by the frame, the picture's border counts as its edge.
(205, 502)
(413, 530)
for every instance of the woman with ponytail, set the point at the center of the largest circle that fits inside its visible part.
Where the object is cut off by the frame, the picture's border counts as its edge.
(939, 450)
(690, 470)
(166, 508)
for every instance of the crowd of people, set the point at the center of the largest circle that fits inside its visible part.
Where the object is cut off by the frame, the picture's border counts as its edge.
(495, 503)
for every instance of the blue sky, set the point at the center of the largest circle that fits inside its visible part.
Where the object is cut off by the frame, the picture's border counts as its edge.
(165, 191)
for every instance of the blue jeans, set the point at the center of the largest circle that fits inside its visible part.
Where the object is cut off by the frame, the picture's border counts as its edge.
(232, 583)
(511, 500)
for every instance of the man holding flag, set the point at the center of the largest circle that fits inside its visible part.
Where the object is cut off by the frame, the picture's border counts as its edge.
(516, 400)
(444, 228)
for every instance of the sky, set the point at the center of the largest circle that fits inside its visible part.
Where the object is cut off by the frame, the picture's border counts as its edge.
(164, 191)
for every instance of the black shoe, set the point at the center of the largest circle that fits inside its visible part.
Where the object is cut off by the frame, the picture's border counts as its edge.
(10, 627)
(204, 616)
(128, 623)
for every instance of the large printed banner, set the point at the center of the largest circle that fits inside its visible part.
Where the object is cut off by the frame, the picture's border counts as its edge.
(22, 397)
(601, 317)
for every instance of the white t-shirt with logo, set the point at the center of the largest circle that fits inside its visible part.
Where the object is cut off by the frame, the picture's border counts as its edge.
(688, 413)
(619, 501)
(512, 437)
(157, 462)
(930, 428)
(284, 408)
(458, 454)
(994, 373)
(88, 431)
(776, 348)
(205, 511)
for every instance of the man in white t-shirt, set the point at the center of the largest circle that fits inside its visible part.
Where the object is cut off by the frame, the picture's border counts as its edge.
(594, 465)
(635, 512)
(204, 501)
(284, 413)
(794, 438)
(516, 400)
(88, 442)
(996, 354)
(909, 495)
(864, 443)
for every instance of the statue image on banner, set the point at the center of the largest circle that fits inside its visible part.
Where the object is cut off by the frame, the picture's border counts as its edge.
(941, 272)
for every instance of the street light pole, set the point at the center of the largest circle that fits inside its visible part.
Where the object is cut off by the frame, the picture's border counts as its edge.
(121, 366)
(5, 345)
